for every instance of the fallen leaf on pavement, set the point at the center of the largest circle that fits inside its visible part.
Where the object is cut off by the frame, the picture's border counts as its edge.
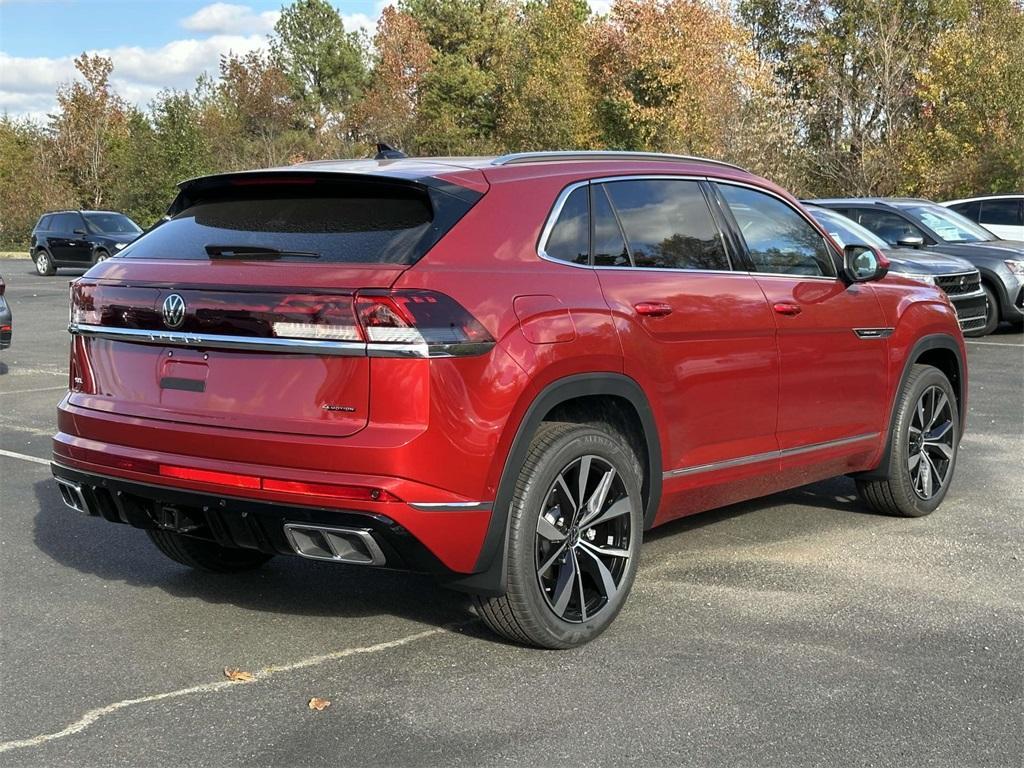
(319, 704)
(236, 675)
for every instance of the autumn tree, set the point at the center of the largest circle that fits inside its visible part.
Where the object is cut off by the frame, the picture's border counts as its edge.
(324, 65)
(91, 122)
(390, 108)
(969, 134)
(665, 74)
(249, 114)
(547, 100)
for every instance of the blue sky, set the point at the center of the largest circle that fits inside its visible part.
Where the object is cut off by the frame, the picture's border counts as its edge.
(154, 44)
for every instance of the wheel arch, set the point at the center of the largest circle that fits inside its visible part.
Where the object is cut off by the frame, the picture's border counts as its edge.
(606, 397)
(938, 350)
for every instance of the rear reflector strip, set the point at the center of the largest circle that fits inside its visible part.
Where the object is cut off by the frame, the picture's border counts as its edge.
(209, 476)
(326, 490)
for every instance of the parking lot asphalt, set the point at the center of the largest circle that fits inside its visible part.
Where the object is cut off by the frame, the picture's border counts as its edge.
(793, 630)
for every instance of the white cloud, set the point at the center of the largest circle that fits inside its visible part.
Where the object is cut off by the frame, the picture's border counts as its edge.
(230, 19)
(28, 85)
(356, 22)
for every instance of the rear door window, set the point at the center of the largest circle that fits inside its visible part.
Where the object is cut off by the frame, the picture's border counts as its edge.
(326, 220)
(668, 224)
(608, 243)
(1006, 212)
(65, 223)
(972, 209)
(779, 240)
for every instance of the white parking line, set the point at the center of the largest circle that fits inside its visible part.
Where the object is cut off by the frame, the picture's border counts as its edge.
(27, 391)
(24, 457)
(93, 715)
(994, 343)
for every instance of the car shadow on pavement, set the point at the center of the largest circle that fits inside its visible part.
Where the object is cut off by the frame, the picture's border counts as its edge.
(834, 495)
(285, 585)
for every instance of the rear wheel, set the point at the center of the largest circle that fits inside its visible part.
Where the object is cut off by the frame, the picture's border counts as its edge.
(206, 555)
(923, 448)
(574, 538)
(44, 264)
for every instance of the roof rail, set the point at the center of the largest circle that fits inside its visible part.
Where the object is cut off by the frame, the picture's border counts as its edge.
(517, 158)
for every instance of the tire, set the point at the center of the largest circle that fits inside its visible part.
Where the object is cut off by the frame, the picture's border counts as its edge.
(101, 255)
(206, 555)
(555, 601)
(991, 313)
(916, 463)
(44, 264)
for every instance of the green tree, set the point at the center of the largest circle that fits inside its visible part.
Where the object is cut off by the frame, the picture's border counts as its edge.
(459, 99)
(29, 180)
(325, 65)
(969, 134)
(547, 100)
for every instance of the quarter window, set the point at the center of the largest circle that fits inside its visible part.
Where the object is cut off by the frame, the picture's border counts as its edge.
(668, 224)
(779, 240)
(569, 239)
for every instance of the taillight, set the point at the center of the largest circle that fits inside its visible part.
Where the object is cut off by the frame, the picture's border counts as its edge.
(401, 322)
(417, 317)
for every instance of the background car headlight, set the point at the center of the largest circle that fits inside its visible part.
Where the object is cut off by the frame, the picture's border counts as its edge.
(929, 279)
(119, 246)
(1015, 266)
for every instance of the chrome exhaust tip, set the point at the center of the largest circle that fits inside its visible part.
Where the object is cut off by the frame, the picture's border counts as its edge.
(73, 496)
(355, 546)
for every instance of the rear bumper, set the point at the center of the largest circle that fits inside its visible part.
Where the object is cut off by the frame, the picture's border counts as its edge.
(237, 522)
(450, 528)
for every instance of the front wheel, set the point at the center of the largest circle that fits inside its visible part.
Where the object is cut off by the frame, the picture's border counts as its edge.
(101, 255)
(206, 555)
(574, 538)
(923, 448)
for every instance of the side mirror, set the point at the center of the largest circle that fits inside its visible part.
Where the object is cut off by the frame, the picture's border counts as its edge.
(79, 232)
(864, 263)
(910, 241)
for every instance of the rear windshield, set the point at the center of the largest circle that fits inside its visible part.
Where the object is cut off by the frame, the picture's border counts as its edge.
(351, 222)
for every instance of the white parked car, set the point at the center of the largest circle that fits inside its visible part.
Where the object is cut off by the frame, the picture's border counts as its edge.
(1002, 215)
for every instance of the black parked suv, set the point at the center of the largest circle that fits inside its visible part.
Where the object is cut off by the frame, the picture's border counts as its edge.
(957, 277)
(913, 223)
(79, 238)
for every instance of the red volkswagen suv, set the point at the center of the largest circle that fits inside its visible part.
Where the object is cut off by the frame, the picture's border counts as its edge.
(499, 370)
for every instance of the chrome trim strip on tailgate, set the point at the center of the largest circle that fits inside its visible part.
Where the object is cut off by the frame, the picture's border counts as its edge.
(289, 346)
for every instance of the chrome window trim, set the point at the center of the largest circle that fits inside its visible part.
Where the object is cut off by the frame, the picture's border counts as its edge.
(283, 345)
(767, 456)
(809, 219)
(556, 211)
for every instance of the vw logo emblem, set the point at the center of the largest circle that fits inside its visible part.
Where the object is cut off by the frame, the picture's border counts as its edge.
(174, 311)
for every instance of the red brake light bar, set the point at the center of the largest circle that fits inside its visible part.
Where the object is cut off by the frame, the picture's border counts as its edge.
(235, 480)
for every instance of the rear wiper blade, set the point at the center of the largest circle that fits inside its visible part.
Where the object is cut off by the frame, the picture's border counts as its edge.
(255, 252)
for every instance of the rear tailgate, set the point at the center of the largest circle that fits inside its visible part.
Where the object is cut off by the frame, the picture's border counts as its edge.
(238, 311)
